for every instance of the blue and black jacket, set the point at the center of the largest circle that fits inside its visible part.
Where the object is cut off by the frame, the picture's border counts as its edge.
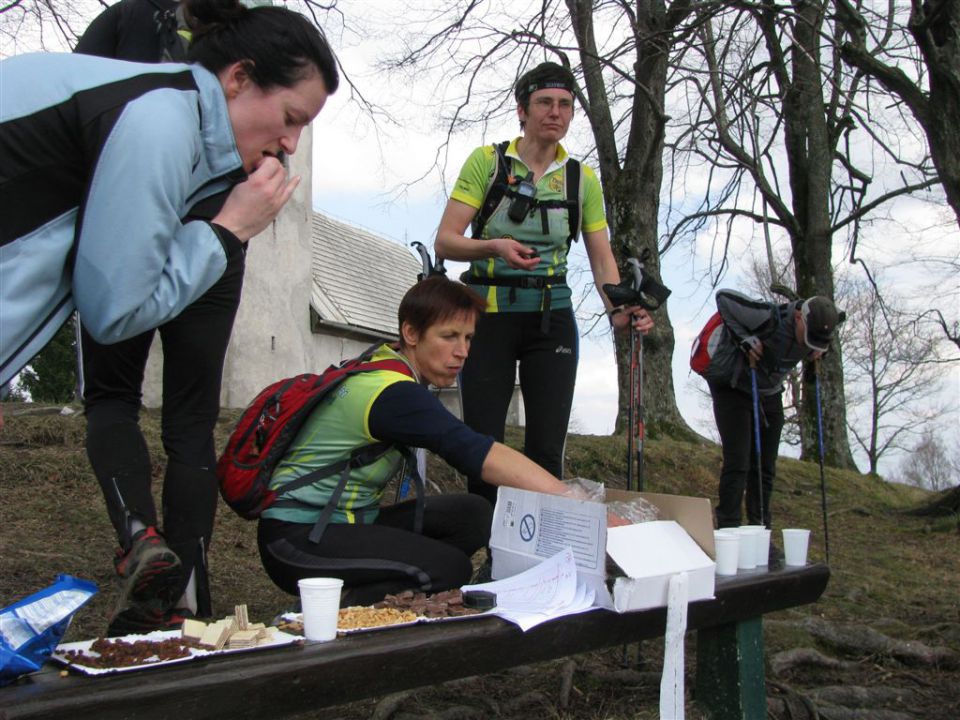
(102, 166)
(774, 325)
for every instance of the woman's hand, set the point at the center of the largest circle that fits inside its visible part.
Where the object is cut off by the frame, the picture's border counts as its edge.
(639, 317)
(253, 204)
(515, 254)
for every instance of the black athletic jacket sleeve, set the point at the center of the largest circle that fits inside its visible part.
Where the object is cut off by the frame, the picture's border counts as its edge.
(408, 413)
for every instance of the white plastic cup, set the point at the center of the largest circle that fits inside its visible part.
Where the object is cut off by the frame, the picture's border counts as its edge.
(727, 545)
(748, 547)
(763, 548)
(795, 542)
(320, 598)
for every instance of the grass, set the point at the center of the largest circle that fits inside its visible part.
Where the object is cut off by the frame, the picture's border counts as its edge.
(890, 570)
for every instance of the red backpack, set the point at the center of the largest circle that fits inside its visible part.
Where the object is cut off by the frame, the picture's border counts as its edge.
(706, 343)
(271, 422)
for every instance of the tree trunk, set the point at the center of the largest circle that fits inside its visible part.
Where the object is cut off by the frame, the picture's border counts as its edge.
(634, 203)
(810, 151)
(937, 32)
(662, 416)
(631, 188)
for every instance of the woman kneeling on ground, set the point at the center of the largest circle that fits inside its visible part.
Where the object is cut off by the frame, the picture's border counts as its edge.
(375, 550)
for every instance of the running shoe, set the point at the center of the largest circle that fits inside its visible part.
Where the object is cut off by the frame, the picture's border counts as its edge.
(150, 570)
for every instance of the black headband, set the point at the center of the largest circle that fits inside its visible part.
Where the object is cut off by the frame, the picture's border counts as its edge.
(545, 76)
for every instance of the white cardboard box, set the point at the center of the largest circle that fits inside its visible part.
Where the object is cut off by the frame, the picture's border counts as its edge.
(529, 527)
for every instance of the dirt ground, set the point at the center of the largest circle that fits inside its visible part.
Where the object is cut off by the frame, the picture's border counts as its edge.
(883, 642)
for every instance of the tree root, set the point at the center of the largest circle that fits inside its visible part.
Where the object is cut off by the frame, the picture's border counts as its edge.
(566, 683)
(806, 657)
(389, 705)
(516, 705)
(837, 703)
(855, 696)
(839, 713)
(790, 704)
(861, 639)
(628, 677)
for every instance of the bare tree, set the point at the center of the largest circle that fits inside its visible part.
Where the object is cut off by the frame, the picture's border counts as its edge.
(893, 371)
(930, 465)
(789, 142)
(44, 24)
(924, 74)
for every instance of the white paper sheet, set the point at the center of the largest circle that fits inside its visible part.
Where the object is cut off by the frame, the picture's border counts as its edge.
(549, 590)
(671, 682)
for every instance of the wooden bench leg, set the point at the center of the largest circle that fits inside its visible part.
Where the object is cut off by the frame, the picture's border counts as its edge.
(730, 672)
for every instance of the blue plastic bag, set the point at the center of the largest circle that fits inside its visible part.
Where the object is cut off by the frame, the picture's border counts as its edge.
(31, 628)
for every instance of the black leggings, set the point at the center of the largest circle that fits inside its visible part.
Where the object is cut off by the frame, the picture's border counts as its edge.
(194, 346)
(548, 372)
(733, 411)
(385, 556)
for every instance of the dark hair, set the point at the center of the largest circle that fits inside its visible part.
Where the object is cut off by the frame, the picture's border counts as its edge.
(434, 300)
(543, 76)
(278, 45)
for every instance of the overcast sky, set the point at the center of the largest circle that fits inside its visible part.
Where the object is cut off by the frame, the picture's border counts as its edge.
(358, 170)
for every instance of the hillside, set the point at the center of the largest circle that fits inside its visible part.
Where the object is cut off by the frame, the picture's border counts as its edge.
(893, 573)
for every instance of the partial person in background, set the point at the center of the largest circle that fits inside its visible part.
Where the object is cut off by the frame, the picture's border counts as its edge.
(376, 549)
(130, 192)
(139, 31)
(527, 200)
(773, 339)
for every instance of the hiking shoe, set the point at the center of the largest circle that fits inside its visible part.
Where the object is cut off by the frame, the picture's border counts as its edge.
(139, 619)
(150, 570)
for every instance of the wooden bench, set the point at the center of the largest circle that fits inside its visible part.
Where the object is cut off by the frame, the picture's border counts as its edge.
(285, 681)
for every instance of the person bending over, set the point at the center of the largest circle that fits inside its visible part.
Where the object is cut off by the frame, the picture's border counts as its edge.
(772, 339)
(129, 193)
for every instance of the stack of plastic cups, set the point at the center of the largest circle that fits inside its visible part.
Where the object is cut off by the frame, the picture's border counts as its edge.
(727, 544)
(320, 598)
(749, 535)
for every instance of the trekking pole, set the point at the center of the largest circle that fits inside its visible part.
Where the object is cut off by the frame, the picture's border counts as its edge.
(756, 434)
(429, 269)
(643, 290)
(641, 412)
(823, 476)
(632, 410)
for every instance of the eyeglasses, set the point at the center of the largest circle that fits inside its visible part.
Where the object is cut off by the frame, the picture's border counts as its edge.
(546, 103)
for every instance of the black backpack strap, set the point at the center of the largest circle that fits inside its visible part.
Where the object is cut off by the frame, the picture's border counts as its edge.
(366, 455)
(574, 198)
(499, 185)
(495, 190)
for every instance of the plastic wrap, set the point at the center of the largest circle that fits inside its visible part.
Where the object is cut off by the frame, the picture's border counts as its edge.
(635, 511)
(584, 489)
